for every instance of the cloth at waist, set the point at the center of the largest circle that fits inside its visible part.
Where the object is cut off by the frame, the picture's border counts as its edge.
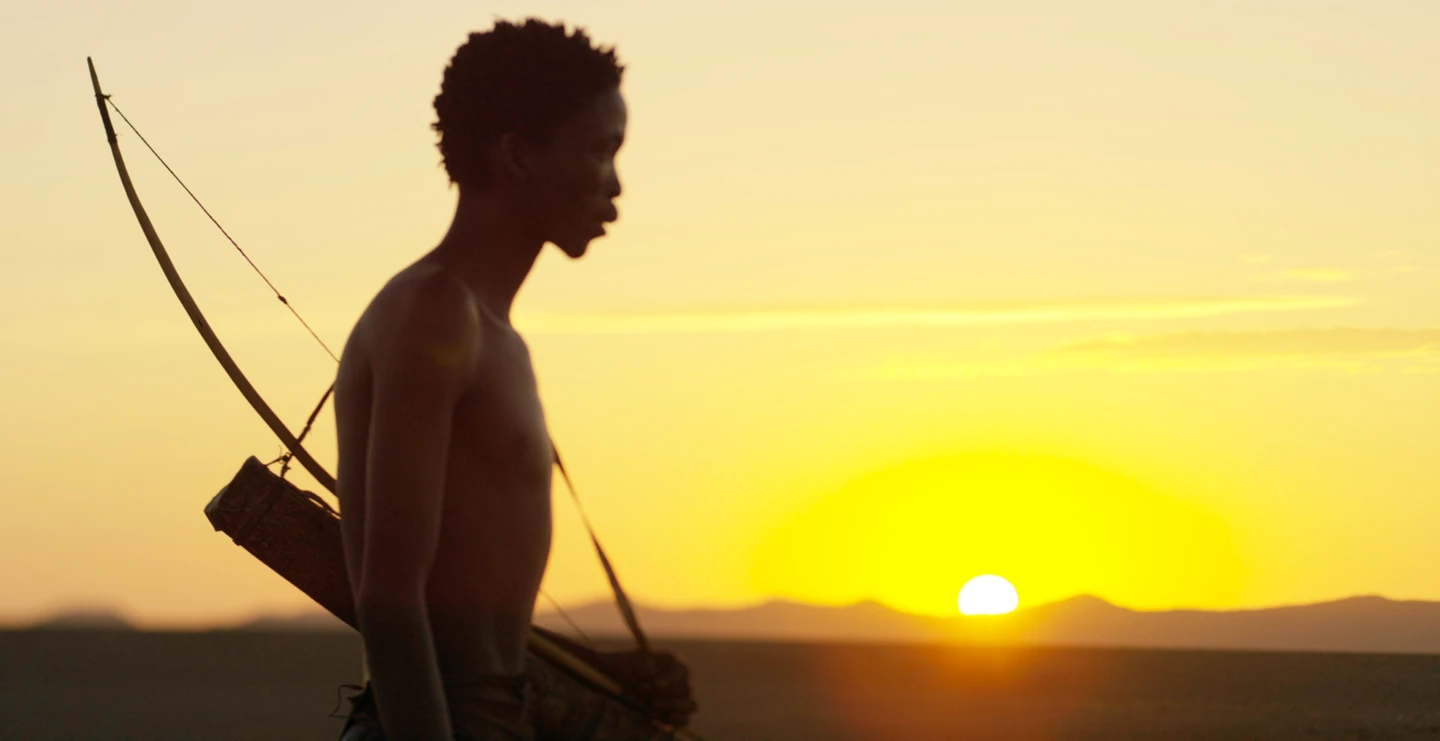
(481, 708)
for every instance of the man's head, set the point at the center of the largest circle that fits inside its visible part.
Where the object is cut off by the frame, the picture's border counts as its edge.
(532, 114)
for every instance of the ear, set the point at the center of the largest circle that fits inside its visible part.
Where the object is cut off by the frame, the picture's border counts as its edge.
(512, 156)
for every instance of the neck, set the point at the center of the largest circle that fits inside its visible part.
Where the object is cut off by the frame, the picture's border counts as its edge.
(487, 248)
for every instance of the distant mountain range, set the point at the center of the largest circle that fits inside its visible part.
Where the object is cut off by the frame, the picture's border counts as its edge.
(85, 619)
(1357, 624)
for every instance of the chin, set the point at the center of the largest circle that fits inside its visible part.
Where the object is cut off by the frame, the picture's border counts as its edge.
(574, 249)
(575, 245)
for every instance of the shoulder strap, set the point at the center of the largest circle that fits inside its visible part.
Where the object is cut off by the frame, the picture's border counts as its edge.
(627, 611)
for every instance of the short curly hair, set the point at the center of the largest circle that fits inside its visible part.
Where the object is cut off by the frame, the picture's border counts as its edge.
(523, 78)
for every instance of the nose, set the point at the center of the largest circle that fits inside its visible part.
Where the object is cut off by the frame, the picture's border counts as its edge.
(612, 185)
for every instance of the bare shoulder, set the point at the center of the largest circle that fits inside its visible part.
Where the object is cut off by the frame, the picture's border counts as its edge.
(424, 322)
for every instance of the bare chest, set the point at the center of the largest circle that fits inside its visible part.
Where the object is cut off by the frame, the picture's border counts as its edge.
(496, 532)
(499, 431)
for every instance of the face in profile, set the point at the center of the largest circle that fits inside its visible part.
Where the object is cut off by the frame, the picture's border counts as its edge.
(574, 178)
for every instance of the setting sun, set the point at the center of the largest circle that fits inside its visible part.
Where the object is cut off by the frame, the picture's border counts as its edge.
(988, 595)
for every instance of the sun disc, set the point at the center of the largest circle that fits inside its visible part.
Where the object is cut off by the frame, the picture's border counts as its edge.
(988, 594)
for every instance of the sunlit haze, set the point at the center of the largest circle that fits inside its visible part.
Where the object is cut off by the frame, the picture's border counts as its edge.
(1127, 299)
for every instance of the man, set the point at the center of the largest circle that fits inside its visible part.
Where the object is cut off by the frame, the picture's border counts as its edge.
(444, 457)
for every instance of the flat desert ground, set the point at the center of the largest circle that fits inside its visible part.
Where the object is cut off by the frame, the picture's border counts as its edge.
(224, 686)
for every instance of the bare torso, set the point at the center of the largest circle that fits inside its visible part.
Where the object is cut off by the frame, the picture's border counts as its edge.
(494, 537)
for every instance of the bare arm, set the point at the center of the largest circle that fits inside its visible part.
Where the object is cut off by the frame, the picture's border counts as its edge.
(423, 348)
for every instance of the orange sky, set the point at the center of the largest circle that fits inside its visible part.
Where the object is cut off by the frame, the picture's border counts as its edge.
(1128, 299)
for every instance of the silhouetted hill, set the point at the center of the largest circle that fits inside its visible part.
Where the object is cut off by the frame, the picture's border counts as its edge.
(779, 620)
(317, 621)
(97, 619)
(1358, 624)
(1369, 624)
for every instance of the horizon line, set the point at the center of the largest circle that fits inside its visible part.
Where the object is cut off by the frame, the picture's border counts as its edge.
(314, 612)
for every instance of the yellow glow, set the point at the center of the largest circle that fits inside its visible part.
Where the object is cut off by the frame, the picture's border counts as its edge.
(1059, 526)
(1192, 300)
(988, 594)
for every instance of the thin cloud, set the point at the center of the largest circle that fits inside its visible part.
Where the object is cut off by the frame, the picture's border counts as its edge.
(1318, 275)
(761, 321)
(1348, 349)
(1331, 341)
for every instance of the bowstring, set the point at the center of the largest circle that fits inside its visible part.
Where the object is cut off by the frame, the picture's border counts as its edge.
(627, 611)
(309, 423)
(214, 221)
(285, 459)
